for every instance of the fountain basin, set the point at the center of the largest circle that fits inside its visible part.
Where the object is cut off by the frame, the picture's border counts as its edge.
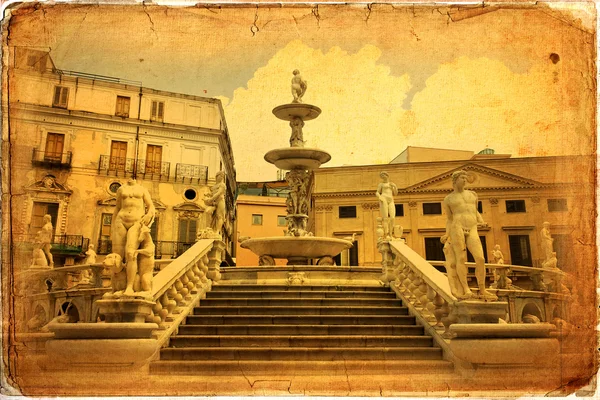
(296, 249)
(288, 112)
(289, 158)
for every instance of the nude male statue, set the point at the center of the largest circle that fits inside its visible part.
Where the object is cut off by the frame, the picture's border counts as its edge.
(461, 230)
(134, 208)
(44, 238)
(216, 202)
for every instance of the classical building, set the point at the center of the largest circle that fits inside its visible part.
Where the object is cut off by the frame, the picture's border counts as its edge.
(516, 195)
(75, 138)
(261, 212)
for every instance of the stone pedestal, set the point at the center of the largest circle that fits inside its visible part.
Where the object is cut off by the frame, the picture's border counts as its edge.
(125, 309)
(475, 311)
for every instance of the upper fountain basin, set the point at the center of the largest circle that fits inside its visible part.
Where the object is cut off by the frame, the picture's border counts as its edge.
(290, 158)
(288, 112)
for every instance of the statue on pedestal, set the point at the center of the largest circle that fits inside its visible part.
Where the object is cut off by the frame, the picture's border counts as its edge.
(298, 87)
(461, 230)
(42, 258)
(215, 200)
(547, 241)
(90, 255)
(134, 214)
(385, 193)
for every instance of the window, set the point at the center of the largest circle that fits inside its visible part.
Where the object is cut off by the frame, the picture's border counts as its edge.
(399, 210)
(153, 159)
(432, 208)
(104, 242)
(347, 212)
(480, 207)
(520, 251)
(257, 219)
(158, 110)
(434, 249)
(61, 97)
(122, 106)
(187, 230)
(37, 216)
(281, 220)
(114, 187)
(54, 147)
(118, 155)
(557, 205)
(190, 194)
(514, 206)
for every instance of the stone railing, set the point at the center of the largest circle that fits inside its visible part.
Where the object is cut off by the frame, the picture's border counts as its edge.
(178, 287)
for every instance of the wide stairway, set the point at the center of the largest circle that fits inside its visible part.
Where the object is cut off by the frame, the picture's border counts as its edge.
(304, 330)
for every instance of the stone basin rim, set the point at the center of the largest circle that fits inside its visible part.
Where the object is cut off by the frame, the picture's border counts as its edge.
(305, 246)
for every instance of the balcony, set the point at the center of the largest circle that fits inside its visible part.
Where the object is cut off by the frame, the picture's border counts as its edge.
(49, 159)
(69, 245)
(191, 173)
(116, 166)
(152, 169)
(164, 249)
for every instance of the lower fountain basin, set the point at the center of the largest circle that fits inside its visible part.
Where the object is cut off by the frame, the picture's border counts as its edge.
(297, 250)
(290, 158)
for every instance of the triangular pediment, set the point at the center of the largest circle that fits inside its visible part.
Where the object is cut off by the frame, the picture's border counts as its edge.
(111, 201)
(186, 206)
(48, 184)
(482, 177)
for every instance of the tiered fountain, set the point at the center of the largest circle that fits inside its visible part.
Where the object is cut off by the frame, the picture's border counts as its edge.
(298, 245)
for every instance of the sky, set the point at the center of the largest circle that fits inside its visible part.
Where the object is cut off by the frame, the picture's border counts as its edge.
(517, 80)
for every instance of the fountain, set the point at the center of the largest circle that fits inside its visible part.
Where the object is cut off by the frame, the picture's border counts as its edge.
(297, 245)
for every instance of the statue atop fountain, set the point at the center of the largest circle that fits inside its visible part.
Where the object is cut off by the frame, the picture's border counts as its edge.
(298, 245)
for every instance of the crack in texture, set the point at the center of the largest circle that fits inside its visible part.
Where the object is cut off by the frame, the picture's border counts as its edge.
(254, 28)
(149, 18)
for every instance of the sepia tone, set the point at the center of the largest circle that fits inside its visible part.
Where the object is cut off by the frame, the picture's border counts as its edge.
(278, 200)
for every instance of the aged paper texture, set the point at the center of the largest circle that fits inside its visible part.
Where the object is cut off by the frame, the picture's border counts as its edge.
(514, 79)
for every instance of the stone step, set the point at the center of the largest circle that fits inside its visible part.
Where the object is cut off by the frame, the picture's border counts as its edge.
(328, 302)
(341, 341)
(294, 368)
(291, 294)
(301, 353)
(288, 319)
(300, 330)
(299, 310)
(298, 288)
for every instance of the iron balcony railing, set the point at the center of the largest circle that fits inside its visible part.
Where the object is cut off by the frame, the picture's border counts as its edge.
(116, 165)
(164, 249)
(51, 158)
(191, 172)
(158, 168)
(69, 244)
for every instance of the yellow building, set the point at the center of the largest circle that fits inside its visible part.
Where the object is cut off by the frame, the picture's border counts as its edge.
(516, 195)
(76, 137)
(261, 212)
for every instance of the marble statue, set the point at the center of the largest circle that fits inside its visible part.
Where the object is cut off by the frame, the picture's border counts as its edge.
(113, 263)
(90, 255)
(42, 257)
(298, 179)
(134, 210)
(547, 241)
(215, 200)
(298, 87)
(385, 194)
(498, 256)
(297, 138)
(456, 279)
(463, 219)
(552, 262)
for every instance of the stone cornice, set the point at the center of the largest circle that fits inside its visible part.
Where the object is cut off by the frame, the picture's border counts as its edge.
(41, 114)
(371, 193)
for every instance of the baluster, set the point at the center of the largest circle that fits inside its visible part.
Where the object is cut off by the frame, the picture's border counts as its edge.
(430, 304)
(423, 299)
(168, 304)
(438, 312)
(411, 285)
(172, 304)
(416, 292)
(157, 313)
(193, 279)
(178, 292)
(402, 276)
(185, 291)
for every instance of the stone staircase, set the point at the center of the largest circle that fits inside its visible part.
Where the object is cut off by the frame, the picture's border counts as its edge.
(280, 329)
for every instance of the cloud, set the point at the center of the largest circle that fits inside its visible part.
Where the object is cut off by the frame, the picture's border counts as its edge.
(474, 103)
(361, 103)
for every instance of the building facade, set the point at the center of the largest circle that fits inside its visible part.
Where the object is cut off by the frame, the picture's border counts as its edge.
(516, 196)
(75, 138)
